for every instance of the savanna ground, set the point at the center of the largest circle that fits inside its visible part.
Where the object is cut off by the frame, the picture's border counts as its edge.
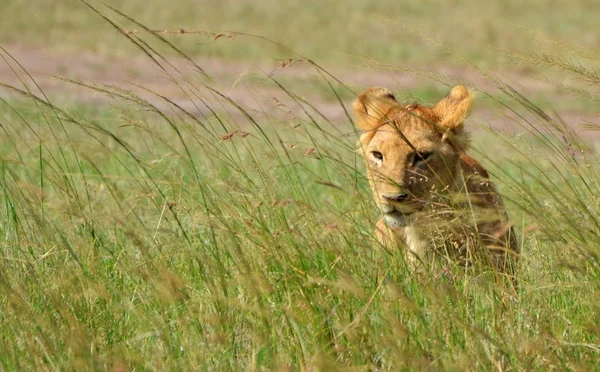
(193, 200)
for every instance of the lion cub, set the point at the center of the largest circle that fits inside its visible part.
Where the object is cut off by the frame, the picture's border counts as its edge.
(433, 197)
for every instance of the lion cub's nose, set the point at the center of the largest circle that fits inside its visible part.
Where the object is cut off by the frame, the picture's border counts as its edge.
(395, 197)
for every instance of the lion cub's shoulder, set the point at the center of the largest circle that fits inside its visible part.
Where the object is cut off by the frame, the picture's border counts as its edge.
(471, 166)
(478, 184)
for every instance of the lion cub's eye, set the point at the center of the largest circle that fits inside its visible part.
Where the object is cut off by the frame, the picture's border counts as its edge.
(377, 155)
(422, 156)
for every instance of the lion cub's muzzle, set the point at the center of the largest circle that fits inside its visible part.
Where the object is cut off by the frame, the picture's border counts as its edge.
(397, 203)
(395, 197)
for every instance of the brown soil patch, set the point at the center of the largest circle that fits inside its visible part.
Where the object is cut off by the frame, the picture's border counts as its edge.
(181, 84)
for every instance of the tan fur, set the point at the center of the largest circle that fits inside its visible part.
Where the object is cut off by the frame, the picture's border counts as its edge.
(444, 203)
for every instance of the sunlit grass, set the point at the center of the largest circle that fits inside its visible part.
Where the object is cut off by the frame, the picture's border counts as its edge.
(138, 237)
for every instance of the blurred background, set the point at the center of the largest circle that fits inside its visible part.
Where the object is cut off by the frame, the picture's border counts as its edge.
(326, 31)
(411, 47)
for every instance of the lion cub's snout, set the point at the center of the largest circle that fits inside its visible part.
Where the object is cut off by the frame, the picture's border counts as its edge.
(398, 198)
(393, 202)
(398, 203)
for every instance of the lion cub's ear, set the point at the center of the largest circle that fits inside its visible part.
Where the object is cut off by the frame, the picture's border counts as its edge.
(454, 108)
(371, 105)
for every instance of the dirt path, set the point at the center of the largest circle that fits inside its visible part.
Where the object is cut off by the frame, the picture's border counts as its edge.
(238, 81)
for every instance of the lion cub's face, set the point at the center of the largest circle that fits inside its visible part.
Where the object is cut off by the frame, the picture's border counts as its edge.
(411, 151)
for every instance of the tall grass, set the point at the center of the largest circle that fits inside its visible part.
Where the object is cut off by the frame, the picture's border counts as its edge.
(143, 236)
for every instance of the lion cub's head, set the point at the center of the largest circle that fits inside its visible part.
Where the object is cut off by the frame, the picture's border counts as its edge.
(411, 151)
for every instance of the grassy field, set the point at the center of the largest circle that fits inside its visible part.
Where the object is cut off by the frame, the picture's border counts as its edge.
(143, 238)
(385, 30)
